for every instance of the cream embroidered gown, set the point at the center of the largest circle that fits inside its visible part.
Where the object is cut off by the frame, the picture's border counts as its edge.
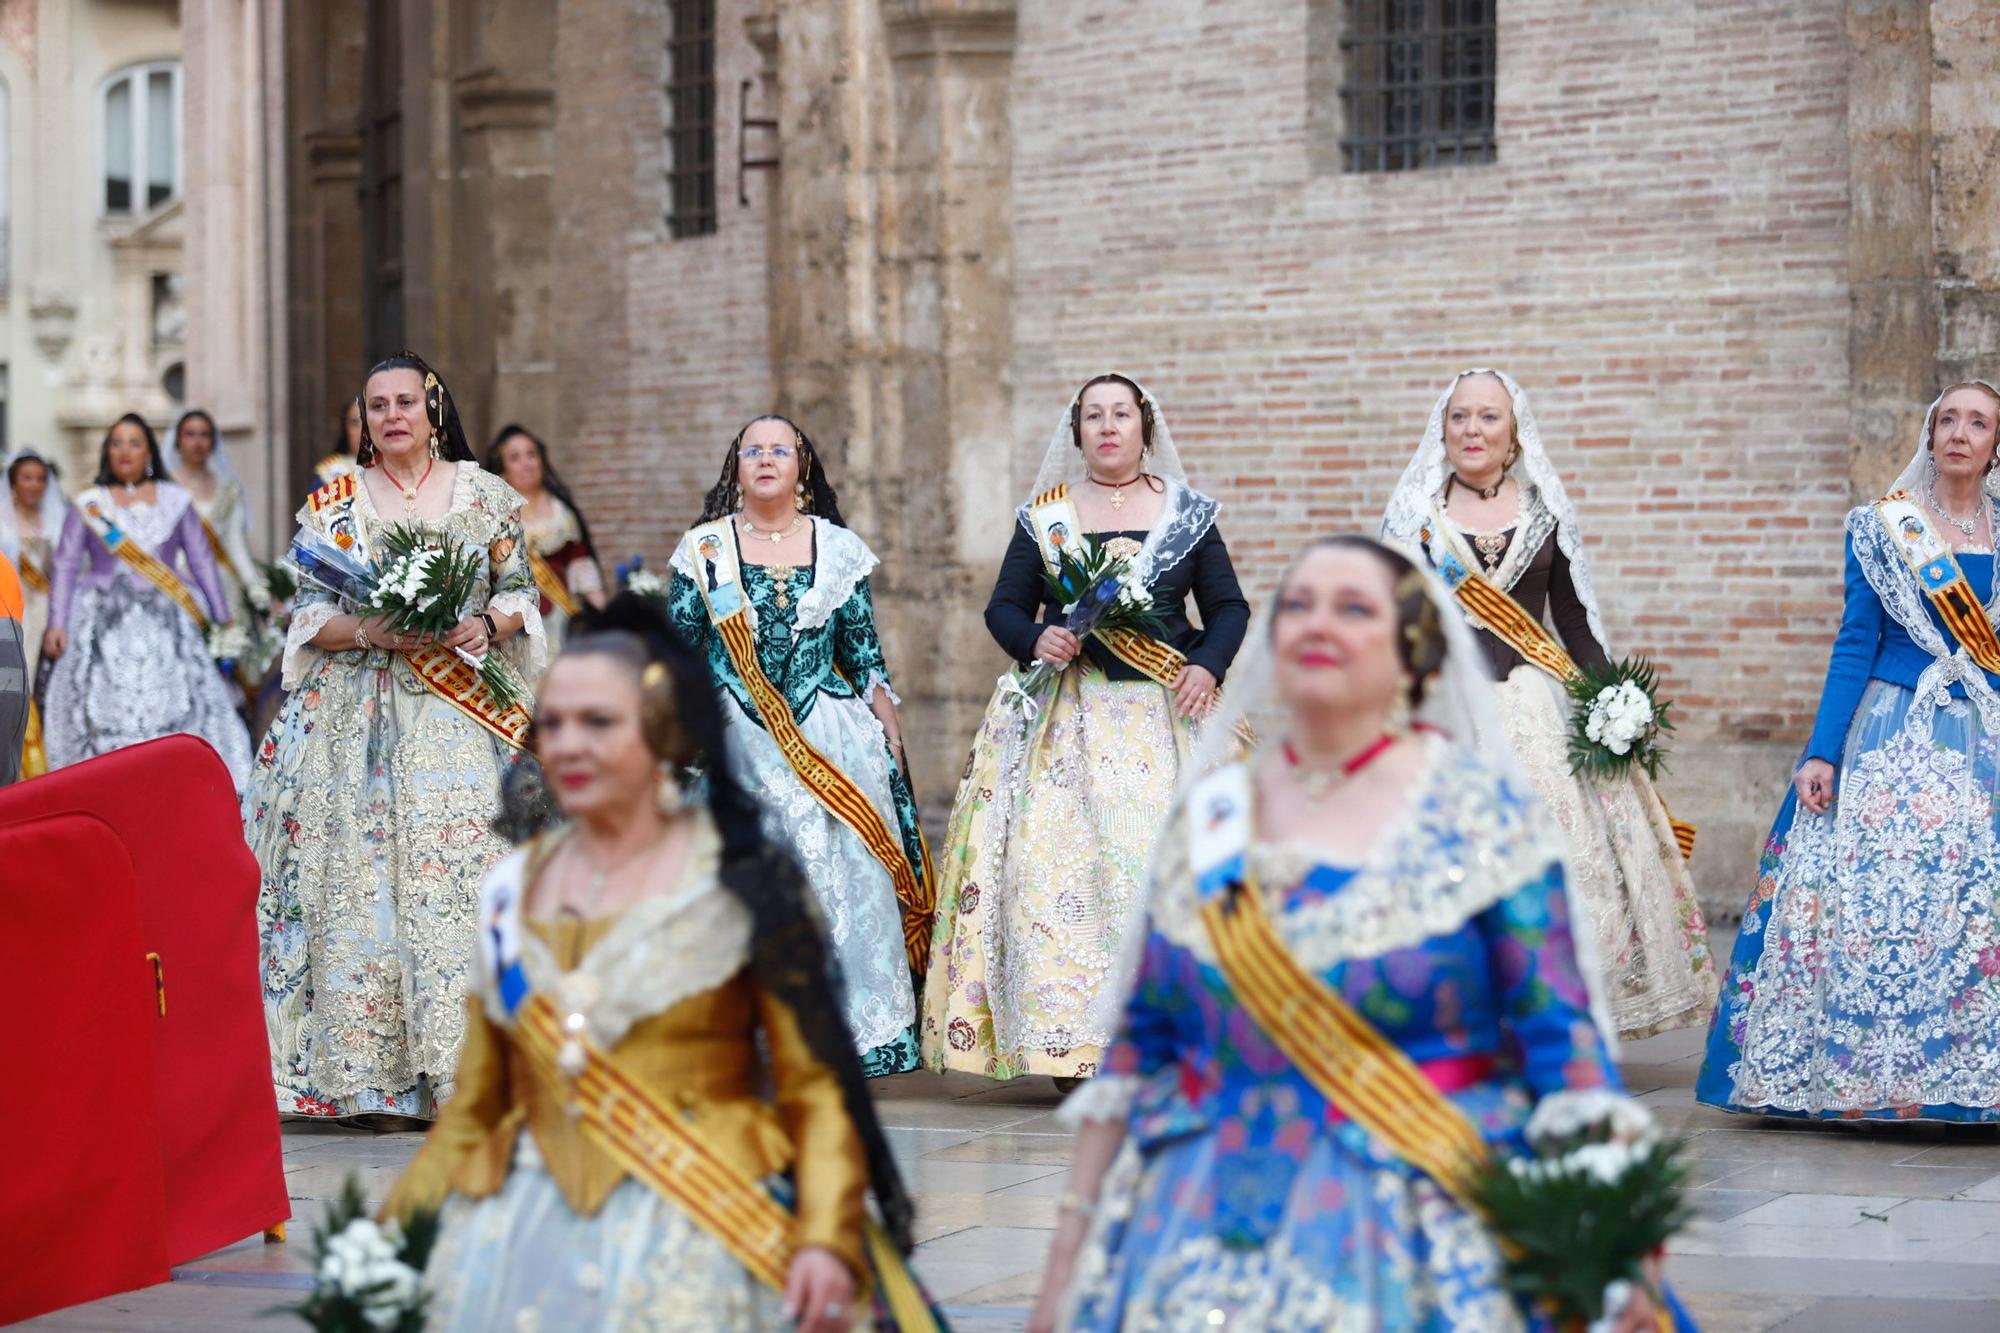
(369, 811)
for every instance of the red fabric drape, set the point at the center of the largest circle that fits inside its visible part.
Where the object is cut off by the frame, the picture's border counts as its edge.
(170, 804)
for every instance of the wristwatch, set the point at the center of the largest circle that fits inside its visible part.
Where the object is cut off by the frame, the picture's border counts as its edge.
(492, 629)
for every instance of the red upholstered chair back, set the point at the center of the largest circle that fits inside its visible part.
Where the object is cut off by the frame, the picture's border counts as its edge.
(170, 803)
(82, 1202)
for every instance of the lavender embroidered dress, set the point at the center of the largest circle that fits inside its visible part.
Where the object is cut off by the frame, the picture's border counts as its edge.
(1239, 1189)
(137, 665)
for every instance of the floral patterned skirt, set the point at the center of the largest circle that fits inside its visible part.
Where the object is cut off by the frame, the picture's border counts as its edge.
(370, 813)
(1865, 982)
(1628, 883)
(1042, 864)
(1328, 1239)
(137, 668)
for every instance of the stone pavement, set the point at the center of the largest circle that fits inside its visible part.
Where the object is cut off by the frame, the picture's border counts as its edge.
(1803, 1229)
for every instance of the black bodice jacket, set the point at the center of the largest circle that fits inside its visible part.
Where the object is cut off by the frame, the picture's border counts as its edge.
(1019, 611)
(1546, 583)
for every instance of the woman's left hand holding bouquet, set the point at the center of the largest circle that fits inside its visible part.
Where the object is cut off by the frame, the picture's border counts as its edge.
(381, 634)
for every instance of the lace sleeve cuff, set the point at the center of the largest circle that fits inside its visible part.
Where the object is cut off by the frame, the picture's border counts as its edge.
(307, 622)
(1106, 1099)
(527, 651)
(877, 681)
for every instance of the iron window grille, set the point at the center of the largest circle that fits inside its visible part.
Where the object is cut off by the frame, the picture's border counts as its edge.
(691, 118)
(1418, 90)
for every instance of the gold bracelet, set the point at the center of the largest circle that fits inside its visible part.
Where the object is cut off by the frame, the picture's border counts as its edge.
(361, 636)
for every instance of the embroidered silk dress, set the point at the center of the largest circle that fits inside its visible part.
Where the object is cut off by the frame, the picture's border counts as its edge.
(816, 641)
(137, 665)
(1239, 1189)
(369, 811)
(1055, 817)
(1865, 981)
(543, 1229)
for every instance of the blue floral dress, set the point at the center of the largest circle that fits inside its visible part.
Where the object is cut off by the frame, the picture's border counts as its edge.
(1865, 982)
(817, 643)
(1240, 1189)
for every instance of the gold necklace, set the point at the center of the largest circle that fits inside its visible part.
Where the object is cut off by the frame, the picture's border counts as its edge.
(777, 536)
(595, 875)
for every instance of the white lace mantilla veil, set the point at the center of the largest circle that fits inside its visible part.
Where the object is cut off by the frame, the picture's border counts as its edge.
(218, 463)
(1458, 701)
(55, 506)
(1410, 504)
(1893, 582)
(1063, 462)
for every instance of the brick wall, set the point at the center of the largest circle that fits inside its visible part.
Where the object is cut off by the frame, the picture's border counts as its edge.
(1659, 255)
(665, 346)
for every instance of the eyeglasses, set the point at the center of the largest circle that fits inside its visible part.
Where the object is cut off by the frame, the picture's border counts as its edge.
(777, 453)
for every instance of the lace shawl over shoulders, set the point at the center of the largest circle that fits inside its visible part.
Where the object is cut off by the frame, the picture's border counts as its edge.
(660, 951)
(1469, 838)
(1184, 520)
(842, 561)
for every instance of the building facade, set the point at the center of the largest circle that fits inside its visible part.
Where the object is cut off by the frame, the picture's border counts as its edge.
(93, 304)
(1731, 249)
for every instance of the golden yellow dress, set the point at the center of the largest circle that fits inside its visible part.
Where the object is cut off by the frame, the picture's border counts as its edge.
(541, 1228)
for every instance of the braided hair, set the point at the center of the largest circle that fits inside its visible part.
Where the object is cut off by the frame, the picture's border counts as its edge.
(439, 409)
(726, 496)
(788, 951)
(552, 481)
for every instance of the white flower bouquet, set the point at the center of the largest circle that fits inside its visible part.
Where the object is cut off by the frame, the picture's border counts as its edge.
(1618, 720)
(230, 644)
(1098, 592)
(369, 1276)
(1596, 1195)
(647, 584)
(422, 584)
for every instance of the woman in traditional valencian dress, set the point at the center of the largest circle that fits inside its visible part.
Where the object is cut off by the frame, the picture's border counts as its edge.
(29, 527)
(1480, 498)
(668, 945)
(560, 552)
(133, 593)
(197, 460)
(1057, 812)
(1414, 884)
(369, 807)
(773, 587)
(1865, 982)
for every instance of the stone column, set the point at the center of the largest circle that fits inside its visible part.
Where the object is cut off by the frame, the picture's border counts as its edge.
(948, 329)
(1965, 167)
(1892, 331)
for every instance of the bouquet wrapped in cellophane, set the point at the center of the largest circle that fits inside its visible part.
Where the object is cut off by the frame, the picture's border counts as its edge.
(423, 583)
(1596, 1195)
(1098, 592)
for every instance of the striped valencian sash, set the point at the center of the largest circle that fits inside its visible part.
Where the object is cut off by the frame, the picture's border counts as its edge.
(711, 551)
(551, 586)
(1357, 1069)
(659, 1146)
(1058, 528)
(1495, 609)
(32, 575)
(97, 517)
(437, 668)
(1936, 570)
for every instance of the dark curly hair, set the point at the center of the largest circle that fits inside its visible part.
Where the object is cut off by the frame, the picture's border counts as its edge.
(726, 496)
(788, 951)
(156, 466)
(1420, 640)
(439, 408)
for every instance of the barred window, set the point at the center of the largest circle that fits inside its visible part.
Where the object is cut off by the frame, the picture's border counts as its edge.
(1418, 85)
(691, 118)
